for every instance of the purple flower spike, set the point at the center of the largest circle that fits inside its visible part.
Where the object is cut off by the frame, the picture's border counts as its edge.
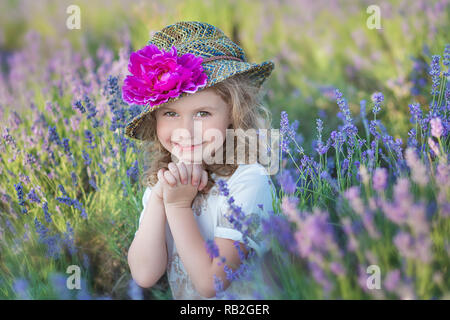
(436, 127)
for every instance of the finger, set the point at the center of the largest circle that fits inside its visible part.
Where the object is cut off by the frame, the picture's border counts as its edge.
(183, 172)
(188, 167)
(173, 168)
(170, 178)
(161, 176)
(196, 175)
(204, 180)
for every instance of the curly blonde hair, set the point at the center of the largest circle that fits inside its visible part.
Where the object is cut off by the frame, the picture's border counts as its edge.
(247, 112)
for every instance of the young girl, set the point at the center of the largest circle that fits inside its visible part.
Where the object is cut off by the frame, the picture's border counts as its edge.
(196, 86)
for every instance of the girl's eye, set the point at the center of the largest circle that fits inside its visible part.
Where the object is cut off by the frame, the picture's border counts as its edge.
(206, 113)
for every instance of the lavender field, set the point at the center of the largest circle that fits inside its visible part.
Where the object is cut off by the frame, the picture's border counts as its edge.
(363, 208)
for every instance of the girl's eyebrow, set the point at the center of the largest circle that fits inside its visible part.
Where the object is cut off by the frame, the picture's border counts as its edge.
(196, 109)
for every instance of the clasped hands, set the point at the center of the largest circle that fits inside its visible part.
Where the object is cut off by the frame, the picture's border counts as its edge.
(178, 186)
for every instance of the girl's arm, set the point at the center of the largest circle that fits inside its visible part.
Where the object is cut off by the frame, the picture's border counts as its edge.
(147, 255)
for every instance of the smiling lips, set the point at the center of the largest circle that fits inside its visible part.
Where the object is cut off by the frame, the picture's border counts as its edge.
(187, 148)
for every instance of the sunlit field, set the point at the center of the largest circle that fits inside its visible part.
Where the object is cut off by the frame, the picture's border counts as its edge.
(363, 191)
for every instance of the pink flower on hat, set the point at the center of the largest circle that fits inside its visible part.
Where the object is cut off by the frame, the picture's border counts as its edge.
(157, 75)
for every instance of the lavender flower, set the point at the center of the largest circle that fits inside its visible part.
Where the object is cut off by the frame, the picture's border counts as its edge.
(379, 179)
(289, 208)
(92, 112)
(433, 146)
(230, 274)
(321, 148)
(79, 106)
(238, 248)
(26, 232)
(9, 139)
(93, 184)
(59, 285)
(10, 226)
(51, 241)
(314, 234)
(134, 291)
(337, 140)
(20, 287)
(124, 189)
(133, 171)
(337, 268)
(392, 280)
(446, 60)
(319, 126)
(14, 120)
(71, 202)
(373, 128)
(212, 248)
(223, 187)
(418, 169)
(115, 102)
(218, 286)
(74, 178)
(102, 169)
(352, 194)
(320, 276)
(53, 135)
(30, 159)
(24, 178)
(33, 196)
(404, 243)
(344, 166)
(435, 73)
(287, 132)
(416, 113)
(397, 212)
(362, 109)
(287, 183)
(377, 99)
(436, 127)
(87, 159)
(89, 138)
(279, 226)
(19, 191)
(412, 141)
(75, 123)
(47, 215)
(66, 146)
(349, 128)
(343, 106)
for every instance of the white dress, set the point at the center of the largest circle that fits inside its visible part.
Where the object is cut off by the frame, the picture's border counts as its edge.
(249, 186)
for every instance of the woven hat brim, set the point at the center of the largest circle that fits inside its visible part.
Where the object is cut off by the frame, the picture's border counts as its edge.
(217, 71)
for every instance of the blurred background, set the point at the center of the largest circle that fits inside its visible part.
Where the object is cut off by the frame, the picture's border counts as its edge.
(317, 46)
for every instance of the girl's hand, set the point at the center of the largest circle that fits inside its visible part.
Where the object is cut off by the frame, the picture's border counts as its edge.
(181, 183)
(157, 189)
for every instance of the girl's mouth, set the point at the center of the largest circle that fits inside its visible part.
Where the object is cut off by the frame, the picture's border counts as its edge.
(187, 148)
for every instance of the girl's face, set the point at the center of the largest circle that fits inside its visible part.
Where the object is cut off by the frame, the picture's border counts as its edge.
(175, 125)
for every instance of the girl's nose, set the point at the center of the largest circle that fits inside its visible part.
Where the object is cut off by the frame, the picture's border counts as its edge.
(188, 124)
(188, 132)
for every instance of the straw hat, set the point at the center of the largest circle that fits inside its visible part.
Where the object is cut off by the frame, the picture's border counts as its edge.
(180, 45)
